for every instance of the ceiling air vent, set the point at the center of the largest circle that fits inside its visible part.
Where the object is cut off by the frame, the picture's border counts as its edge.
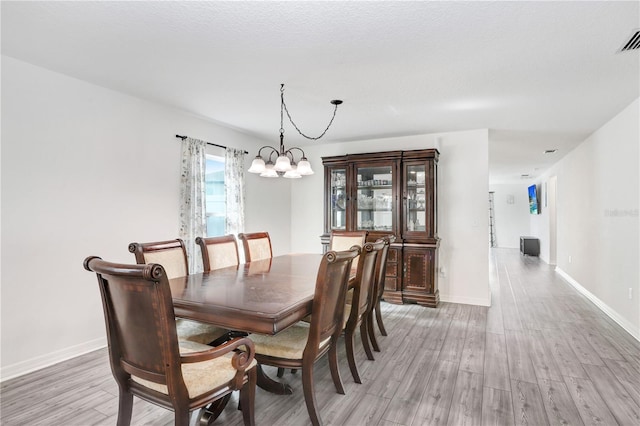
(633, 43)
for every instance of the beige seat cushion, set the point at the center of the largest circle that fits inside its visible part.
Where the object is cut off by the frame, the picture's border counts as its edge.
(194, 331)
(199, 377)
(288, 344)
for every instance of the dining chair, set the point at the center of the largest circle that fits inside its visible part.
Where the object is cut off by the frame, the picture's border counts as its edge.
(356, 310)
(302, 344)
(381, 271)
(172, 255)
(257, 246)
(149, 362)
(218, 252)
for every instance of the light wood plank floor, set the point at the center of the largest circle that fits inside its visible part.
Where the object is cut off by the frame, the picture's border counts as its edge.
(542, 354)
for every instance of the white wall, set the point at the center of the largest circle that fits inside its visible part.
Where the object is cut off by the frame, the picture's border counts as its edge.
(511, 213)
(597, 217)
(86, 171)
(463, 206)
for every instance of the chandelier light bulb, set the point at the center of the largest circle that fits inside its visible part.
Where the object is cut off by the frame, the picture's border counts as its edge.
(304, 167)
(293, 173)
(269, 171)
(257, 165)
(283, 163)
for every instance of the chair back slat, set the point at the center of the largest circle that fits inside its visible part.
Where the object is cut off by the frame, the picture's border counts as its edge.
(365, 279)
(381, 267)
(218, 252)
(139, 318)
(257, 246)
(171, 254)
(329, 297)
(344, 240)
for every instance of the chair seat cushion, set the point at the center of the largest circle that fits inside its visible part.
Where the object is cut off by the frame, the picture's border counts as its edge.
(288, 344)
(199, 377)
(194, 331)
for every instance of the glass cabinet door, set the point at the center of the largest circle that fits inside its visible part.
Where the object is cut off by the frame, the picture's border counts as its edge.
(374, 197)
(338, 213)
(415, 219)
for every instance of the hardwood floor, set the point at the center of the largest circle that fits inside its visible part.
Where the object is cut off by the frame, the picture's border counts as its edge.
(542, 354)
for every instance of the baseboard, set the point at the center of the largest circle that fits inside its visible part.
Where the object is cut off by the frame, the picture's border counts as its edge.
(37, 363)
(622, 322)
(465, 300)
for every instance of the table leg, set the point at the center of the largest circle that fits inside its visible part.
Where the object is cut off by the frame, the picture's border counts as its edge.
(211, 412)
(267, 383)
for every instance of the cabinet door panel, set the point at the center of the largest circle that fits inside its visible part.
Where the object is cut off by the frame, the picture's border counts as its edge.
(419, 269)
(375, 198)
(338, 197)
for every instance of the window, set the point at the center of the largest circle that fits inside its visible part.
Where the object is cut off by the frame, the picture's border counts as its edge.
(215, 199)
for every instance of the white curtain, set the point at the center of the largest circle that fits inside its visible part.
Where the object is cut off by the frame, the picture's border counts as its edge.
(234, 190)
(192, 199)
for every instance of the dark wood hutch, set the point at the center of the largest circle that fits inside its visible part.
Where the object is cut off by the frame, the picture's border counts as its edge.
(387, 193)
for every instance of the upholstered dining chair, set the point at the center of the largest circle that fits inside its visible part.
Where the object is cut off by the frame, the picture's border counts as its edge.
(381, 271)
(257, 246)
(149, 362)
(172, 255)
(218, 252)
(357, 309)
(302, 344)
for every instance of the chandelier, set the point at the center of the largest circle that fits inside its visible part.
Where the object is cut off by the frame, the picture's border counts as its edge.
(285, 162)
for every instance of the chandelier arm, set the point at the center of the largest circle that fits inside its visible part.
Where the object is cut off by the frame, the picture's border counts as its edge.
(267, 146)
(295, 147)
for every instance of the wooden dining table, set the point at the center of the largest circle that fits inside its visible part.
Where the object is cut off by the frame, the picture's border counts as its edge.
(263, 296)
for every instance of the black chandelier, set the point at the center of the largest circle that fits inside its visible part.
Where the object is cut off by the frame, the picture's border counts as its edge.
(286, 164)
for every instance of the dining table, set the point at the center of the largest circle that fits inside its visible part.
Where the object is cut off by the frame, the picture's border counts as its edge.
(263, 296)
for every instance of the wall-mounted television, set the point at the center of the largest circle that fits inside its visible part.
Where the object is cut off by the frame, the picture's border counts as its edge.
(533, 200)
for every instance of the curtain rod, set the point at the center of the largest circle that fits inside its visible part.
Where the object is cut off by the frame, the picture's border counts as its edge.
(208, 143)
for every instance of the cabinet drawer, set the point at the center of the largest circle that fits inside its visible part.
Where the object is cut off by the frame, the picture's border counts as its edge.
(392, 270)
(391, 284)
(392, 256)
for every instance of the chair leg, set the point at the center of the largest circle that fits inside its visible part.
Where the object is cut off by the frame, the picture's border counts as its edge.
(309, 394)
(182, 417)
(371, 332)
(125, 408)
(379, 320)
(335, 370)
(280, 372)
(365, 339)
(349, 341)
(247, 398)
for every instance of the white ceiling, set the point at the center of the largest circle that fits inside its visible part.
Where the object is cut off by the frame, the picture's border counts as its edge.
(538, 74)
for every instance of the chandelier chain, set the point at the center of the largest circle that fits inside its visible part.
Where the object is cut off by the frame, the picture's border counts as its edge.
(284, 106)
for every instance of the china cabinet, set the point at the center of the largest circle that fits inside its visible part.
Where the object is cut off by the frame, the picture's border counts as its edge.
(387, 193)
